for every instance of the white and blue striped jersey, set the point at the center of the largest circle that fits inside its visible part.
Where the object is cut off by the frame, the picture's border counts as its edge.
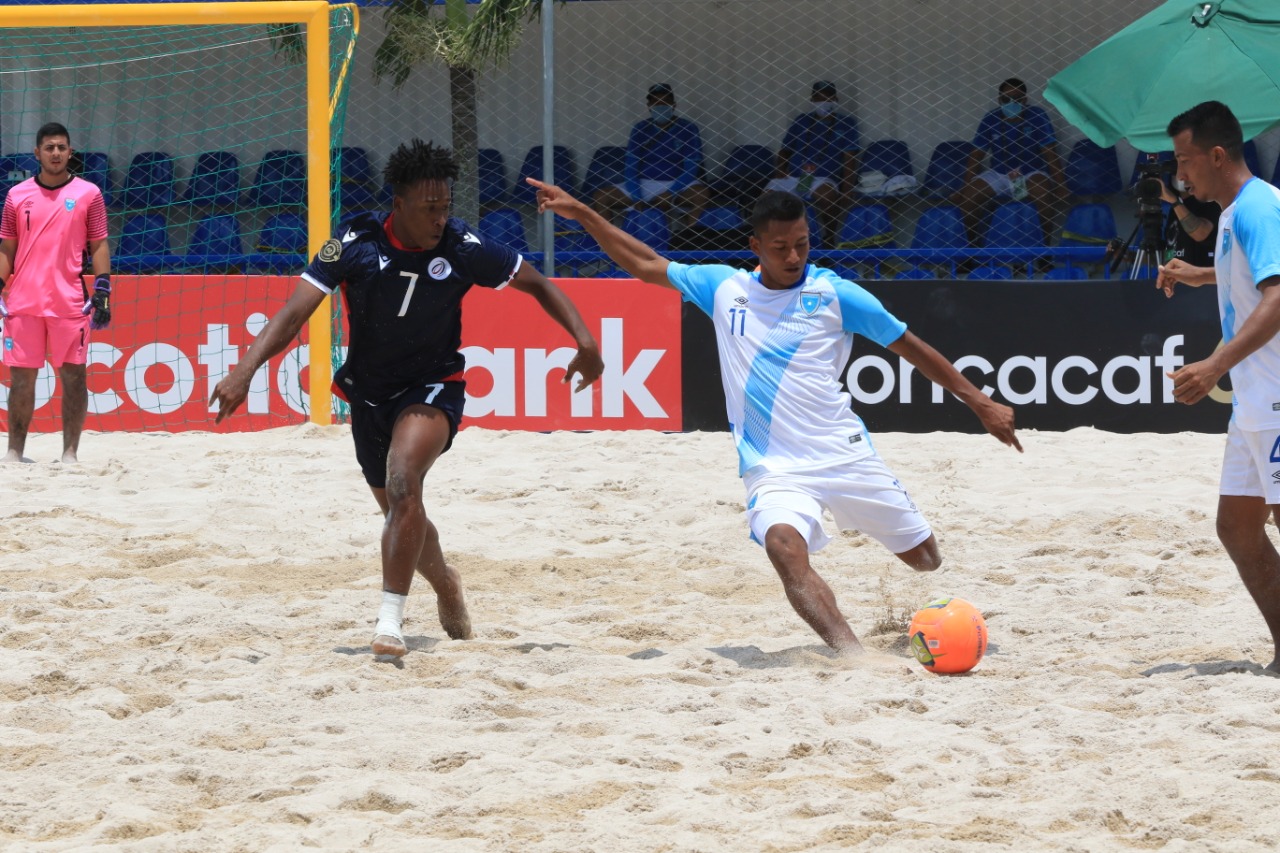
(1248, 253)
(781, 356)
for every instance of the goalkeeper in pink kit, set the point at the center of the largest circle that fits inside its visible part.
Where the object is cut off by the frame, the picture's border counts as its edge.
(48, 221)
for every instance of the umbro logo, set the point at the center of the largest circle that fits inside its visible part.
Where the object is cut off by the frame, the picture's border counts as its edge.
(1275, 475)
(382, 262)
(470, 238)
(741, 300)
(350, 235)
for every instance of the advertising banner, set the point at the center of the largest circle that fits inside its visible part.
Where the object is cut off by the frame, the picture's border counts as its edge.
(1063, 354)
(172, 338)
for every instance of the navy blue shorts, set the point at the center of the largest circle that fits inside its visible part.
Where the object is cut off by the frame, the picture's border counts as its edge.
(371, 426)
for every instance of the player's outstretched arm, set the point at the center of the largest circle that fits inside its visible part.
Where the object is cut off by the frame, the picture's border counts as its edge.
(627, 252)
(280, 330)
(586, 364)
(996, 417)
(1177, 270)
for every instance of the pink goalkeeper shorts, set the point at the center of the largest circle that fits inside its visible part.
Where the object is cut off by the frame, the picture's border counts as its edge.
(28, 338)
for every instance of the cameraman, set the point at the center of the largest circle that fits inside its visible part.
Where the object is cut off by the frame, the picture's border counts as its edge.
(1190, 227)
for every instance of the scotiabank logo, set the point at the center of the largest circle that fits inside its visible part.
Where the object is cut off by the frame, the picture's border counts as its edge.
(173, 338)
(513, 377)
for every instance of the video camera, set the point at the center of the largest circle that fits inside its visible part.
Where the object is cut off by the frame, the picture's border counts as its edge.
(1153, 174)
(1147, 190)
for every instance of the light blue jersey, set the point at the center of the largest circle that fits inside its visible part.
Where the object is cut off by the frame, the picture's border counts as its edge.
(1248, 253)
(781, 356)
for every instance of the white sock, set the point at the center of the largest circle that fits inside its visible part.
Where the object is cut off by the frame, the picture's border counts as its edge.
(391, 615)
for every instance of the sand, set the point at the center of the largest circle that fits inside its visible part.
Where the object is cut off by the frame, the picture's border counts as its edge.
(185, 624)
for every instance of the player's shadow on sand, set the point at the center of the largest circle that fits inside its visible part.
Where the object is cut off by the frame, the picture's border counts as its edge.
(1213, 667)
(413, 644)
(752, 657)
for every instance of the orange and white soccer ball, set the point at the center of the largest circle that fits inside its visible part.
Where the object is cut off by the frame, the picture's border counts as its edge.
(948, 636)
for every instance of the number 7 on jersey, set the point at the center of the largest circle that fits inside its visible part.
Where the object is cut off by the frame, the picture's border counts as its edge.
(408, 294)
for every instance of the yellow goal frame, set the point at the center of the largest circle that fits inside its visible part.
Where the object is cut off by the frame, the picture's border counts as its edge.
(313, 15)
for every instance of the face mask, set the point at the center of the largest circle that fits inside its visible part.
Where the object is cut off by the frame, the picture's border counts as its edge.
(824, 108)
(661, 113)
(1012, 109)
(1179, 185)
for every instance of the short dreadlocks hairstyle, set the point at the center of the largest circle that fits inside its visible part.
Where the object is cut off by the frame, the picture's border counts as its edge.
(417, 161)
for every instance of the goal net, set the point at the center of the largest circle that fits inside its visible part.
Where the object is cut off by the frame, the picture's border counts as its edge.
(212, 130)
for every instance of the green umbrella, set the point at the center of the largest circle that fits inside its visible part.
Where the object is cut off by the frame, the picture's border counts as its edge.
(1169, 60)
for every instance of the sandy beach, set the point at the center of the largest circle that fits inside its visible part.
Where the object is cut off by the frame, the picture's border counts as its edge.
(185, 623)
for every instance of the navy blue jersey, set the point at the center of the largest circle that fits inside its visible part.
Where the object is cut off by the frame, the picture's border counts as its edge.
(404, 308)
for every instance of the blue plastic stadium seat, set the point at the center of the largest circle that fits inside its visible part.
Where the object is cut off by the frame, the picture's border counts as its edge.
(570, 237)
(991, 272)
(566, 173)
(491, 172)
(606, 169)
(867, 227)
(916, 274)
(1251, 159)
(650, 227)
(15, 168)
(721, 218)
(144, 245)
(940, 228)
(97, 171)
(945, 173)
(892, 157)
(1015, 225)
(149, 181)
(215, 179)
(815, 229)
(216, 245)
(354, 178)
(1089, 225)
(1092, 169)
(283, 234)
(280, 180)
(504, 225)
(747, 170)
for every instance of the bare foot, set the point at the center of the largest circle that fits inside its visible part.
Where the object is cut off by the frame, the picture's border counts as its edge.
(385, 644)
(454, 617)
(15, 457)
(69, 457)
(1274, 666)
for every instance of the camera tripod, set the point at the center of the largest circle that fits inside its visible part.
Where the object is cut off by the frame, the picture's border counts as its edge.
(1148, 253)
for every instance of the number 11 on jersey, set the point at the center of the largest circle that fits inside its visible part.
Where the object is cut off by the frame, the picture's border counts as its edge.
(737, 321)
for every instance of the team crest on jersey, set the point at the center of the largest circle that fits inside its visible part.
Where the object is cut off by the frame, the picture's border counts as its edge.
(70, 203)
(810, 301)
(439, 269)
(1226, 240)
(331, 250)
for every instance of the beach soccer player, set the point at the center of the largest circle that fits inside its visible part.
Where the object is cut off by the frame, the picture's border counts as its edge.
(48, 221)
(784, 334)
(403, 274)
(1208, 146)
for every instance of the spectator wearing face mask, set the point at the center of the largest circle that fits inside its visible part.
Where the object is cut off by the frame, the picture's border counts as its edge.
(1024, 162)
(664, 164)
(818, 160)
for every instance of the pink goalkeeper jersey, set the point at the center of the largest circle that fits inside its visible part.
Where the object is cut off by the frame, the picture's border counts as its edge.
(53, 228)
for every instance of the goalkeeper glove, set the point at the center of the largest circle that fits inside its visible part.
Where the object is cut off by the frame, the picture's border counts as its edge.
(100, 303)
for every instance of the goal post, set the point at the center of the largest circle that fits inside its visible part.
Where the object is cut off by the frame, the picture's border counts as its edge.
(307, 22)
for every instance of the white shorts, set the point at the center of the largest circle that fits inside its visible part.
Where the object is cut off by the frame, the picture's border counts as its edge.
(1251, 464)
(790, 185)
(861, 495)
(1001, 183)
